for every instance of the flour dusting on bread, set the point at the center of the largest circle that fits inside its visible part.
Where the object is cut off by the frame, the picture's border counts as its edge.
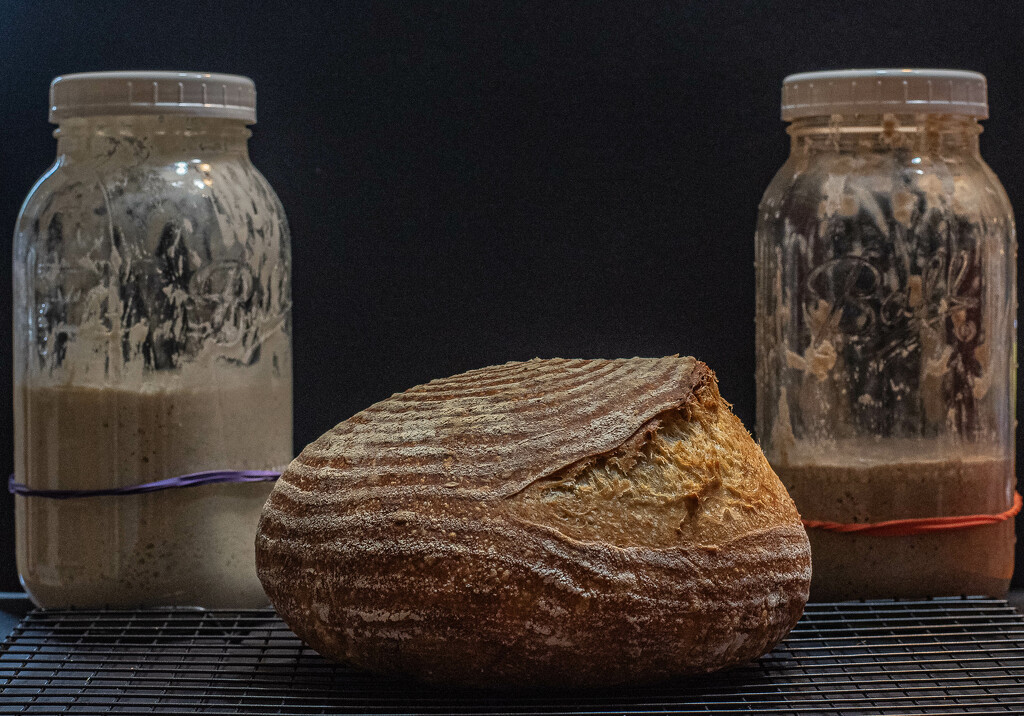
(562, 522)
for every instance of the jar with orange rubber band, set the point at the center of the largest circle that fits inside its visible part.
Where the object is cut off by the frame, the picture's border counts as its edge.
(886, 312)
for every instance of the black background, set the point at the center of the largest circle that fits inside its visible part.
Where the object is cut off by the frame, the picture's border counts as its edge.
(471, 183)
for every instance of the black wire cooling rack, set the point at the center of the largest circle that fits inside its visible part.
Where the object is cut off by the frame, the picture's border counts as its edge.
(943, 656)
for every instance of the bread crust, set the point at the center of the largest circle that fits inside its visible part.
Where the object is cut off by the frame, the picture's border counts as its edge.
(443, 533)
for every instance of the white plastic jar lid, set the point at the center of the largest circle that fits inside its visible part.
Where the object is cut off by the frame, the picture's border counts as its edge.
(811, 94)
(197, 94)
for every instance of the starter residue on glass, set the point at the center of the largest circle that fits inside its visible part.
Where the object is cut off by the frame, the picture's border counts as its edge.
(142, 263)
(893, 322)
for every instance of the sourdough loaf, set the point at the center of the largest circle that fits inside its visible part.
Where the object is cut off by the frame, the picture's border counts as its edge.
(553, 522)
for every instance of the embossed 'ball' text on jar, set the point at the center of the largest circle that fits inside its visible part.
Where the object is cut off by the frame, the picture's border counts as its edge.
(152, 342)
(886, 314)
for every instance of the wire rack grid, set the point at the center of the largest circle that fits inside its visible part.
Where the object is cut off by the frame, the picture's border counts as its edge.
(934, 657)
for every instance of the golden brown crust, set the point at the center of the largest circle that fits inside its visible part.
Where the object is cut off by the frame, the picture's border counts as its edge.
(550, 522)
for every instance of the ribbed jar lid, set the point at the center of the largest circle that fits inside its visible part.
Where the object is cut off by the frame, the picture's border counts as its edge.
(197, 94)
(882, 91)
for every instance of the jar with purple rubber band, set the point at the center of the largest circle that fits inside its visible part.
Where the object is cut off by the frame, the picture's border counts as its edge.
(152, 340)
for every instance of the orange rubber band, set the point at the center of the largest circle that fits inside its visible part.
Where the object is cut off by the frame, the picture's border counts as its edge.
(920, 525)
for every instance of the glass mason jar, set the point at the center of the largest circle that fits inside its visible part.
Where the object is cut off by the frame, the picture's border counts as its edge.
(886, 342)
(152, 339)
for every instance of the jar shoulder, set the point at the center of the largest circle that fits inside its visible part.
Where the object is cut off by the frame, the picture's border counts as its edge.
(995, 186)
(809, 189)
(220, 202)
(45, 187)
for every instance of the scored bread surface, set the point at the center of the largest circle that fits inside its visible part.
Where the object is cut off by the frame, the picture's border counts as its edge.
(562, 522)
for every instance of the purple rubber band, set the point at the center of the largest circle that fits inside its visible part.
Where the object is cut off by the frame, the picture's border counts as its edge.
(210, 477)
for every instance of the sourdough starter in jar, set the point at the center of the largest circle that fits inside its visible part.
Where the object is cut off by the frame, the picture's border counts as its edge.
(152, 340)
(886, 307)
(171, 547)
(861, 481)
